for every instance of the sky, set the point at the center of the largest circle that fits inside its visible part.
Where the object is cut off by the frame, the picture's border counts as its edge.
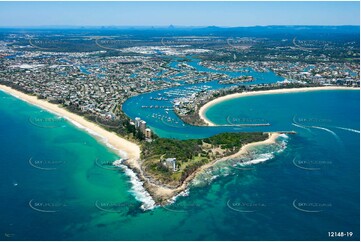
(178, 13)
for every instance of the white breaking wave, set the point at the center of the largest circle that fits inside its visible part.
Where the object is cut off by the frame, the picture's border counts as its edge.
(122, 153)
(259, 159)
(348, 129)
(204, 178)
(138, 189)
(285, 136)
(228, 167)
(221, 169)
(137, 186)
(184, 193)
(283, 146)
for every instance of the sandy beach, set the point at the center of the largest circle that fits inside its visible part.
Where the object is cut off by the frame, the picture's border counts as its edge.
(166, 194)
(204, 108)
(131, 150)
(272, 137)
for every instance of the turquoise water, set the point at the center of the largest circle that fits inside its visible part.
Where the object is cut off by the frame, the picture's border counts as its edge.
(161, 117)
(50, 165)
(321, 163)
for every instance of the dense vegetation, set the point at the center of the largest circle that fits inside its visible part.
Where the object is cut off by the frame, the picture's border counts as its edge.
(338, 43)
(180, 149)
(231, 140)
(191, 154)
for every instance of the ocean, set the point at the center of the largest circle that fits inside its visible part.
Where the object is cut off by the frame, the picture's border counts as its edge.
(57, 182)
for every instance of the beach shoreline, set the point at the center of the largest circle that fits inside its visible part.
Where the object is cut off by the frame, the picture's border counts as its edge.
(202, 111)
(162, 195)
(125, 147)
(165, 195)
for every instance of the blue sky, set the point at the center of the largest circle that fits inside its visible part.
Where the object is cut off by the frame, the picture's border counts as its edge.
(178, 13)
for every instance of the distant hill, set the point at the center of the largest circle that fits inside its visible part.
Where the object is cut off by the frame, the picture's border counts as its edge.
(345, 33)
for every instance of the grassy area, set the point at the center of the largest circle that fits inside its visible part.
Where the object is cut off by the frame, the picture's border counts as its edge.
(190, 154)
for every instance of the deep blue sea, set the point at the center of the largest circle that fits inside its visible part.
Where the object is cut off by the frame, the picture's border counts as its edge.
(57, 181)
(56, 185)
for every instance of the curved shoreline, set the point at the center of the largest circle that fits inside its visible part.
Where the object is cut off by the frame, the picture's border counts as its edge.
(160, 194)
(111, 139)
(202, 111)
(165, 195)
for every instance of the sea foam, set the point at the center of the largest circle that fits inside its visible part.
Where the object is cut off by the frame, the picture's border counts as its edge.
(258, 159)
(184, 193)
(137, 189)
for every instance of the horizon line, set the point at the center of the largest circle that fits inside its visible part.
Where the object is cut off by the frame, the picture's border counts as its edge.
(179, 26)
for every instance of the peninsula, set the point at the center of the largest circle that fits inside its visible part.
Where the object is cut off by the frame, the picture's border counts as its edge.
(167, 166)
(149, 159)
(145, 96)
